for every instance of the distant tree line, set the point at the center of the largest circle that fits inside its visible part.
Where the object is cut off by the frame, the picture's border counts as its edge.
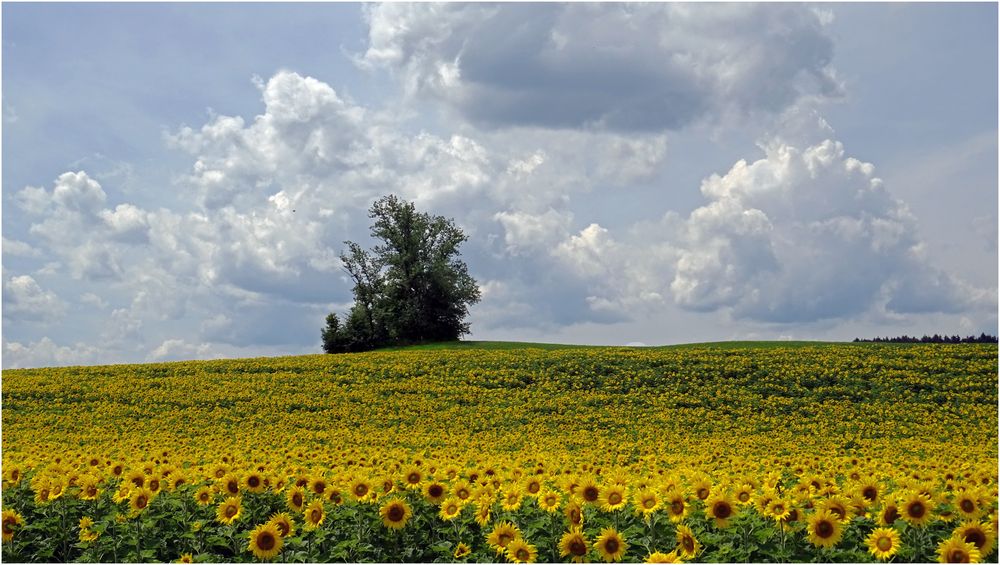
(983, 338)
(412, 288)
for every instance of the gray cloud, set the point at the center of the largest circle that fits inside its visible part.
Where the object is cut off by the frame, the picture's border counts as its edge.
(621, 67)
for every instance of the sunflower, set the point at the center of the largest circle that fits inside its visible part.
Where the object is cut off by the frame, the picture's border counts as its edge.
(869, 490)
(314, 514)
(687, 545)
(720, 507)
(136, 477)
(778, 509)
(646, 501)
(175, 480)
(573, 543)
(883, 543)
(532, 486)
(612, 498)
(395, 513)
(520, 551)
(462, 550)
(88, 488)
(660, 557)
(140, 500)
(482, 513)
(318, 485)
(825, 529)
(744, 495)
(677, 506)
(87, 535)
(296, 498)
(573, 513)
(589, 491)
(203, 496)
(434, 492)
(702, 488)
(549, 500)
(462, 490)
(837, 506)
(888, 515)
(979, 535)
(154, 485)
(13, 475)
(265, 541)
(412, 477)
(254, 482)
(503, 533)
(284, 523)
(12, 521)
(450, 508)
(511, 501)
(185, 558)
(916, 509)
(957, 550)
(229, 511)
(967, 505)
(361, 490)
(611, 545)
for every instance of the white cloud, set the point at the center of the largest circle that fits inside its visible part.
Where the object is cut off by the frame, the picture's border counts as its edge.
(174, 349)
(807, 234)
(613, 66)
(46, 353)
(25, 300)
(19, 248)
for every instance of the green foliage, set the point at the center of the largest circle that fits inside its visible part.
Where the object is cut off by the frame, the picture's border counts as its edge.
(412, 288)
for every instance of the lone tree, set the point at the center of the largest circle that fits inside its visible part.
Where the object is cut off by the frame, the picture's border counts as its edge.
(412, 288)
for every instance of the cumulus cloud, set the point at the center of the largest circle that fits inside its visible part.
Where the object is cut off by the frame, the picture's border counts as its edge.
(46, 353)
(806, 234)
(622, 67)
(25, 300)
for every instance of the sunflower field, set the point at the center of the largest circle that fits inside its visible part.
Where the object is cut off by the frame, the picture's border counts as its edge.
(854, 452)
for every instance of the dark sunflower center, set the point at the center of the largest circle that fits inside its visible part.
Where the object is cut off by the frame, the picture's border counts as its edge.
(8, 526)
(703, 493)
(744, 496)
(967, 505)
(574, 516)
(436, 490)
(413, 478)
(778, 509)
(533, 487)
(504, 539)
(869, 493)
(590, 494)
(891, 514)
(677, 507)
(141, 502)
(315, 516)
(522, 554)
(463, 493)
(916, 510)
(884, 543)
(577, 547)
(284, 528)
(958, 556)
(91, 490)
(15, 474)
(154, 485)
(688, 544)
(233, 487)
(722, 510)
(265, 541)
(395, 513)
(253, 481)
(611, 546)
(614, 498)
(824, 529)
(117, 470)
(976, 538)
(838, 511)
(230, 511)
(319, 487)
(360, 490)
(649, 503)
(297, 499)
(137, 481)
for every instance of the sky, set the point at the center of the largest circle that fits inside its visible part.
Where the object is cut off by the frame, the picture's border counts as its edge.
(178, 179)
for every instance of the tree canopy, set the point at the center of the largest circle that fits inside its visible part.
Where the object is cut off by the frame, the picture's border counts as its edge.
(410, 288)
